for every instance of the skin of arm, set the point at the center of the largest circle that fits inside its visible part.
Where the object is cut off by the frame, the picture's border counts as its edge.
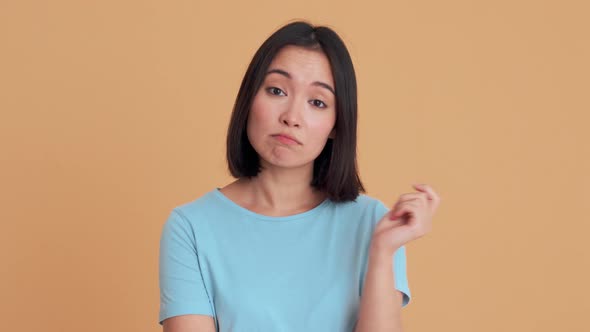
(189, 323)
(381, 304)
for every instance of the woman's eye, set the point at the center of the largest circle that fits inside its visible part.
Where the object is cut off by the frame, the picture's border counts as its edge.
(275, 91)
(318, 103)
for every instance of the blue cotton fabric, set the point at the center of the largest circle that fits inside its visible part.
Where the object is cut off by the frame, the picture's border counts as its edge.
(252, 272)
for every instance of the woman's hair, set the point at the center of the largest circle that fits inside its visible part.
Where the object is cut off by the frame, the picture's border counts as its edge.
(335, 169)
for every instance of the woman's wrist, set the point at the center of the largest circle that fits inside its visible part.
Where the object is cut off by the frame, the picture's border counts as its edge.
(380, 256)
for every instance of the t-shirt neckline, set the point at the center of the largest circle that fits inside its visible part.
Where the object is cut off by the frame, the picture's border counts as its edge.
(216, 192)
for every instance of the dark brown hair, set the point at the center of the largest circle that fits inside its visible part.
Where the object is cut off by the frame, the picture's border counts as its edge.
(335, 169)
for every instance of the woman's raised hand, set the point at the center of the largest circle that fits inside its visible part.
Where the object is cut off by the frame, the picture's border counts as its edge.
(409, 219)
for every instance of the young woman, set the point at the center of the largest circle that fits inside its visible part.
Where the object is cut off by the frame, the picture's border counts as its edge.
(292, 244)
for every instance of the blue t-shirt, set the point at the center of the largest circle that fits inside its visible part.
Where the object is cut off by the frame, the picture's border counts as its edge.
(252, 272)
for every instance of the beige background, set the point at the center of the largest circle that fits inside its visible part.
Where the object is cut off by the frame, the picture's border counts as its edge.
(114, 112)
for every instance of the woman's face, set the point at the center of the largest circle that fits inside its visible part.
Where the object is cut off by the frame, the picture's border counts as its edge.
(294, 111)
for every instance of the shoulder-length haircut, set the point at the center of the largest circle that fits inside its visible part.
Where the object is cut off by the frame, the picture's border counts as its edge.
(335, 169)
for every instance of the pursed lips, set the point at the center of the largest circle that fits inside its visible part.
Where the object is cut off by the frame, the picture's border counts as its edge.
(286, 139)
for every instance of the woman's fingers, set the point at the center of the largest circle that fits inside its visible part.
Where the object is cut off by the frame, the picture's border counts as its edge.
(408, 204)
(430, 193)
(404, 208)
(412, 196)
(409, 219)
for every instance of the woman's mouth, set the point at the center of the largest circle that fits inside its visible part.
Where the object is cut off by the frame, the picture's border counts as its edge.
(286, 139)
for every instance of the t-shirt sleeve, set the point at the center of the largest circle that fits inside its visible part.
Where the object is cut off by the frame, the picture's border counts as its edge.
(399, 262)
(182, 290)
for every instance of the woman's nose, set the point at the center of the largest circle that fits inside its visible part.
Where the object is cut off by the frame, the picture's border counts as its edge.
(291, 116)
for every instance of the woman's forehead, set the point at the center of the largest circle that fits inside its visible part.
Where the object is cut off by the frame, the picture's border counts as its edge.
(303, 64)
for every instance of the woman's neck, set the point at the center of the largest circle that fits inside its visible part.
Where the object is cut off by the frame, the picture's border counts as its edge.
(276, 192)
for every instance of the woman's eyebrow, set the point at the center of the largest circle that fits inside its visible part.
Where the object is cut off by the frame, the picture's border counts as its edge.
(287, 75)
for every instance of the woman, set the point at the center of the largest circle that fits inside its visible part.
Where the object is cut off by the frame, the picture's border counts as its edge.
(291, 245)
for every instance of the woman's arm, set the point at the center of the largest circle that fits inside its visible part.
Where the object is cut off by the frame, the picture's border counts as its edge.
(381, 304)
(409, 219)
(189, 323)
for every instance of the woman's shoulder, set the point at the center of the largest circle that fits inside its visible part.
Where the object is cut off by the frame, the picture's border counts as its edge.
(364, 200)
(201, 204)
(363, 205)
